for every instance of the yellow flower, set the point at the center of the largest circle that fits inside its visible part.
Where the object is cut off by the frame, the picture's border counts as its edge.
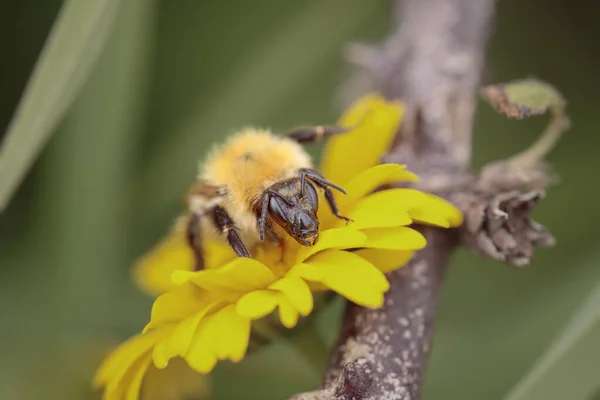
(205, 316)
(131, 363)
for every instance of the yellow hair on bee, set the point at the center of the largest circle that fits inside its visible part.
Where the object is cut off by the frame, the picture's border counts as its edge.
(247, 164)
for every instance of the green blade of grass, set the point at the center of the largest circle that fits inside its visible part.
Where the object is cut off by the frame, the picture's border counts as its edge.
(569, 368)
(70, 52)
(86, 180)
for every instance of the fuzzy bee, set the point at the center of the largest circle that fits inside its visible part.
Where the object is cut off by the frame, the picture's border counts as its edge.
(259, 186)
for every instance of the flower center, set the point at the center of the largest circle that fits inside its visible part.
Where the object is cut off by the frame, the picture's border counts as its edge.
(279, 258)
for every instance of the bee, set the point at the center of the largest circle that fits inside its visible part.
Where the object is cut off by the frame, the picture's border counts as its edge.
(258, 186)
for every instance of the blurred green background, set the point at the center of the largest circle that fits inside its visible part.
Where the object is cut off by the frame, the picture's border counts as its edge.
(177, 75)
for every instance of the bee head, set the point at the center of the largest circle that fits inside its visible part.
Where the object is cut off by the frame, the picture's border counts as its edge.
(295, 210)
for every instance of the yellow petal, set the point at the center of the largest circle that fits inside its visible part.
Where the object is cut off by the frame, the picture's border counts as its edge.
(403, 197)
(376, 122)
(178, 342)
(245, 274)
(159, 358)
(231, 333)
(455, 216)
(176, 305)
(297, 292)
(305, 271)
(182, 335)
(352, 276)
(369, 180)
(240, 327)
(429, 217)
(216, 253)
(338, 238)
(176, 382)
(152, 272)
(119, 369)
(287, 313)
(240, 275)
(396, 238)
(116, 364)
(128, 386)
(317, 287)
(181, 277)
(201, 356)
(137, 376)
(379, 210)
(220, 333)
(257, 304)
(113, 392)
(385, 260)
(437, 211)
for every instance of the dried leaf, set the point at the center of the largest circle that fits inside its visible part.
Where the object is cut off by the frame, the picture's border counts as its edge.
(523, 98)
(527, 98)
(502, 228)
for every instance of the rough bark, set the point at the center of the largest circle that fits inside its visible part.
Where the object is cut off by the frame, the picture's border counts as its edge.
(432, 60)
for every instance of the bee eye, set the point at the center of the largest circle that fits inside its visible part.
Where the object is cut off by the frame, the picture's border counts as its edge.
(311, 193)
(276, 212)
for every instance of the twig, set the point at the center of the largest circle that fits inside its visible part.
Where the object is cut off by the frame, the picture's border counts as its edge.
(546, 142)
(381, 354)
(432, 60)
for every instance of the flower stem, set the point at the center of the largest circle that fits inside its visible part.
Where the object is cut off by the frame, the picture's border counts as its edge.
(559, 123)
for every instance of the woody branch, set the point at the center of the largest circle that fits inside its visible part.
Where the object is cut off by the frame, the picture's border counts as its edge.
(432, 60)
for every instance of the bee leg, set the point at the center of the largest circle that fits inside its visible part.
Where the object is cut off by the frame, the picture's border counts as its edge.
(224, 223)
(196, 199)
(263, 226)
(324, 184)
(277, 240)
(195, 240)
(264, 205)
(272, 235)
(315, 133)
(333, 205)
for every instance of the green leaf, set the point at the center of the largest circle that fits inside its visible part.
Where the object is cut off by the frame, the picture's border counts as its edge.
(70, 52)
(86, 184)
(527, 98)
(523, 98)
(569, 368)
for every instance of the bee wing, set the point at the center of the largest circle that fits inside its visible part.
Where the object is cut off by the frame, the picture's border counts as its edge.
(203, 189)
